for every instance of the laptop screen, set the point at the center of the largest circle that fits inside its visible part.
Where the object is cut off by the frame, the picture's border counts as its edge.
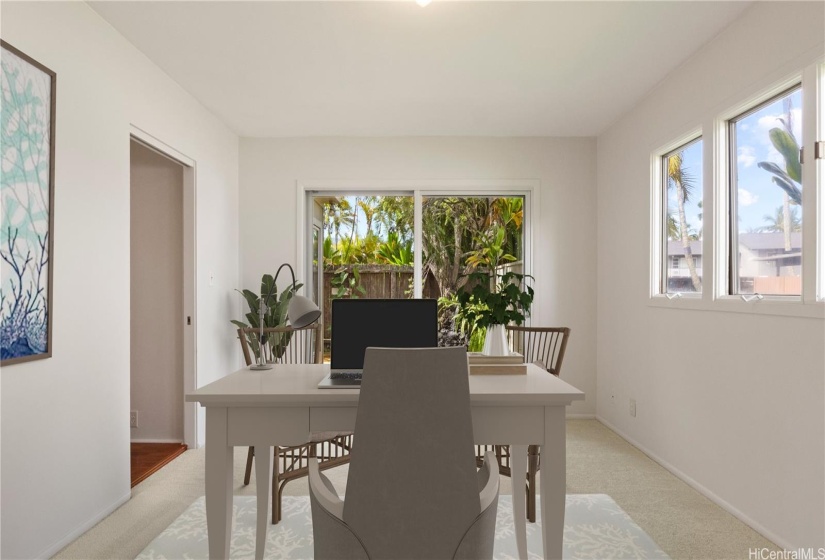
(386, 323)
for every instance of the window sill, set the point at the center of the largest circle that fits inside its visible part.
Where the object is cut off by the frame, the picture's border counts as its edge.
(785, 307)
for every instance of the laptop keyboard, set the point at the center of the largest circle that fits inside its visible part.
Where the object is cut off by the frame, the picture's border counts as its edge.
(351, 375)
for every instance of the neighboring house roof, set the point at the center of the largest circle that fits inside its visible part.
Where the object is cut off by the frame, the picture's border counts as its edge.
(675, 248)
(753, 241)
(764, 241)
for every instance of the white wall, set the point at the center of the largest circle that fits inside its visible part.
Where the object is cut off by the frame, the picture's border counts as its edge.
(732, 401)
(564, 264)
(156, 309)
(65, 431)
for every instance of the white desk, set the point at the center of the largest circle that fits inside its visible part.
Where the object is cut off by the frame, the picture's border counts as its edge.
(283, 405)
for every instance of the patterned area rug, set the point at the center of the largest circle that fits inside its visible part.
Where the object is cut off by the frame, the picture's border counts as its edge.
(595, 527)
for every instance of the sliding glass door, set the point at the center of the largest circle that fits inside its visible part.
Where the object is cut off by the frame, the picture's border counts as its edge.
(415, 243)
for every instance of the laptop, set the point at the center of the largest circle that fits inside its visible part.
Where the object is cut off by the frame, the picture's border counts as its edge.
(384, 323)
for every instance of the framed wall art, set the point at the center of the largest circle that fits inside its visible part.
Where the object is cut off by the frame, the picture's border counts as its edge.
(27, 119)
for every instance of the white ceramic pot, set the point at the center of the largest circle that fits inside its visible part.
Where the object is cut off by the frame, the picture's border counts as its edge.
(495, 341)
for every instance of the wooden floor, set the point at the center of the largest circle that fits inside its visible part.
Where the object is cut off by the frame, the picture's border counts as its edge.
(148, 458)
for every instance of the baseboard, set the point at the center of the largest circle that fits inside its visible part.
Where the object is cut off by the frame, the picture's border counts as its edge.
(580, 416)
(759, 528)
(75, 533)
(151, 440)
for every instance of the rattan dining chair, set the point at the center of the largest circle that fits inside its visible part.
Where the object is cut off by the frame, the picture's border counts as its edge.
(288, 345)
(545, 347)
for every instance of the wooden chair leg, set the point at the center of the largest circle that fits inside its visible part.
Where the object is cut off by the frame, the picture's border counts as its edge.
(276, 488)
(249, 456)
(532, 470)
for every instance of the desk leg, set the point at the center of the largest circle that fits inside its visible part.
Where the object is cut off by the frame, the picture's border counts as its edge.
(553, 481)
(219, 465)
(263, 476)
(518, 470)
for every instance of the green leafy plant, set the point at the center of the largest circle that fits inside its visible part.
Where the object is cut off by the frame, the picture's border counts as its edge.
(332, 256)
(507, 302)
(465, 320)
(347, 284)
(491, 250)
(788, 179)
(275, 310)
(394, 251)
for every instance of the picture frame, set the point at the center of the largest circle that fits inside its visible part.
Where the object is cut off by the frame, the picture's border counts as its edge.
(27, 154)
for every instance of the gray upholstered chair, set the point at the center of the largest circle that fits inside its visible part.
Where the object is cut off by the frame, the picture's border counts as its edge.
(414, 405)
(545, 347)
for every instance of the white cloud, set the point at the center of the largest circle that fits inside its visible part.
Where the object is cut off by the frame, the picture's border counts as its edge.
(768, 122)
(747, 156)
(746, 198)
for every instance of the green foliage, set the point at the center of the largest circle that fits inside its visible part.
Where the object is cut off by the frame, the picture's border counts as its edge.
(394, 251)
(788, 179)
(490, 252)
(465, 319)
(347, 284)
(506, 303)
(275, 311)
(458, 235)
(331, 254)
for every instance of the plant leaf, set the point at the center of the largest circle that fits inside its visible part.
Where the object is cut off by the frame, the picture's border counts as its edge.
(786, 145)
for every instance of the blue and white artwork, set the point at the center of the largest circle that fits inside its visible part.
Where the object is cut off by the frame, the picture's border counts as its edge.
(26, 195)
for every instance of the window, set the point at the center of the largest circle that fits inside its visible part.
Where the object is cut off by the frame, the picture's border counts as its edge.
(416, 239)
(766, 211)
(682, 219)
(766, 198)
(460, 235)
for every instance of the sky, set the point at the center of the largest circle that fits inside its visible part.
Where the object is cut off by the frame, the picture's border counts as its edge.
(758, 195)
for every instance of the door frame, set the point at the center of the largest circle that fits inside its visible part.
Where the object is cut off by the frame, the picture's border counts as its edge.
(189, 322)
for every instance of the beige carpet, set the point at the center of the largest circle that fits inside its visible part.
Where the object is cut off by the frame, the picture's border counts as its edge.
(679, 519)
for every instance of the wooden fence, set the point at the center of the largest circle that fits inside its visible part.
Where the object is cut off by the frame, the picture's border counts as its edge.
(777, 285)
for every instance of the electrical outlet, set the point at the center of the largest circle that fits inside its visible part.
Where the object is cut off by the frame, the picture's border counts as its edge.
(133, 419)
(633, 408)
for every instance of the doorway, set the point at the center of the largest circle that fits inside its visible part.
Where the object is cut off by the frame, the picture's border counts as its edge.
(159, 253)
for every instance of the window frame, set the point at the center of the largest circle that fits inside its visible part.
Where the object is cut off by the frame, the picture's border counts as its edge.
(734, 253)
(419, 189)
(711, 124)
(659, 261)
(663, 185)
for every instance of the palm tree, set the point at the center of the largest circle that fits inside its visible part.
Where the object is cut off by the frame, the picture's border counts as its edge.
(368, 205)
(339, 214)
(679, 180)
(782, 221)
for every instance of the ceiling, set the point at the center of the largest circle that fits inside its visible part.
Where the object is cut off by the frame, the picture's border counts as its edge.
(394, 69)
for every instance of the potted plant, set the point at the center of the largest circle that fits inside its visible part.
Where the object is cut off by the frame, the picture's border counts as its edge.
(275, 311)
(494, 302)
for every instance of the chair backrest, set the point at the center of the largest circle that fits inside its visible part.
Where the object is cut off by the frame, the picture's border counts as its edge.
(545, 345)
(285, 345)
(413, 413)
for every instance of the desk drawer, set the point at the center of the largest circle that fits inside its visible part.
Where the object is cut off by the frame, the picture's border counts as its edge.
(332, 419)
(284, 426)
(512, 425)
